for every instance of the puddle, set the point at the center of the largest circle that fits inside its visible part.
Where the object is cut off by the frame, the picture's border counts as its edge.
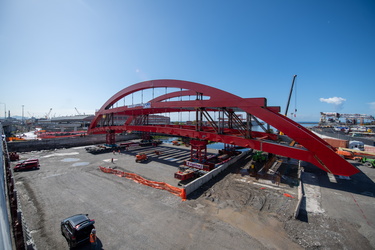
(77, 164)
(110, 160)
(69, 159)
(60, 154)
(172, 159)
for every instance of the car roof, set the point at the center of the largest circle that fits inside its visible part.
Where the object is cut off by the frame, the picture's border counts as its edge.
(31, 160)
(77, 219)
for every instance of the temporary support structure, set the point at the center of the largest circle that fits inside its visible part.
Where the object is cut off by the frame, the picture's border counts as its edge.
(198, 151)
(110, 137)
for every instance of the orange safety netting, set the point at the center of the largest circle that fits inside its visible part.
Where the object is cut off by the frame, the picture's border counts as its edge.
(139, 179)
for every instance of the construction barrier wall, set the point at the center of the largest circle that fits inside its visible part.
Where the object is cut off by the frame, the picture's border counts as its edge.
(194, 185)
(48, 144)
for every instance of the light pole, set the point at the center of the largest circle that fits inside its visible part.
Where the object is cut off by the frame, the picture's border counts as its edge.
(5, 110)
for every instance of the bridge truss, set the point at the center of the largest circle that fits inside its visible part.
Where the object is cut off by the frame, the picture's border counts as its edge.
(218, 116)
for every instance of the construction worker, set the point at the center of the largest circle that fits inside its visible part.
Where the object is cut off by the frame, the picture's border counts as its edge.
(252, 169)
(93, 238)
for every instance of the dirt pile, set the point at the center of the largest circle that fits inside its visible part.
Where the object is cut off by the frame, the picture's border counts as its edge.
(238, 193)
(269, 212)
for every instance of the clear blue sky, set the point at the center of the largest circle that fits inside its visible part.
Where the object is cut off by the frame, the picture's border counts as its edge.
(64, 54)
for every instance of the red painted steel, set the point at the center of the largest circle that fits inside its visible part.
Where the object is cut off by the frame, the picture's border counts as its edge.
(315, 150)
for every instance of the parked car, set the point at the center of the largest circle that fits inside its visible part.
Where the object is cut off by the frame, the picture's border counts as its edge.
(76, 229)
(27, 165)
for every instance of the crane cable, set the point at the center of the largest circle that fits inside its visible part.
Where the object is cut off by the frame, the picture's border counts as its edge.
(295, 99)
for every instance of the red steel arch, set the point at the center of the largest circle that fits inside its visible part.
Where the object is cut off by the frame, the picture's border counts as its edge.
(313, 149)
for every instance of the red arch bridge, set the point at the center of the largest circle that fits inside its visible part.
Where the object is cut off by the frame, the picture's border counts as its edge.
(218, 116)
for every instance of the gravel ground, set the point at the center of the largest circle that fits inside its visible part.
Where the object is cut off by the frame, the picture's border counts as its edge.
(231, 212)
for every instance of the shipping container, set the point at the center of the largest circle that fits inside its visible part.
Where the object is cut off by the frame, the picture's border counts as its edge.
(337, 143)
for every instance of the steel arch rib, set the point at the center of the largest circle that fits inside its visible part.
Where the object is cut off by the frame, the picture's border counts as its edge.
(317, 152)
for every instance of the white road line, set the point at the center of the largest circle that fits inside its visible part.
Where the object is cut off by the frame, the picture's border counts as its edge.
(332, 178)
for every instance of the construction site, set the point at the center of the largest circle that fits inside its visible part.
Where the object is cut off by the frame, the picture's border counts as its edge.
(280, 187)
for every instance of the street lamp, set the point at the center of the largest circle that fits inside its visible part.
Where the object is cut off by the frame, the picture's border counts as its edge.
(5, 110)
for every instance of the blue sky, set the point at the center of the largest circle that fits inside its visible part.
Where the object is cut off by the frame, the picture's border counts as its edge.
(64, 54)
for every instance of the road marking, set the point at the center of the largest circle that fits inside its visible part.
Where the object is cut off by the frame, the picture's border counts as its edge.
(332, 178)
(360, 209)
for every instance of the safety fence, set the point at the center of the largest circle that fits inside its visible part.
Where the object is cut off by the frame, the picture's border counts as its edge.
(181, 192)
(21, 239)
(139, 179)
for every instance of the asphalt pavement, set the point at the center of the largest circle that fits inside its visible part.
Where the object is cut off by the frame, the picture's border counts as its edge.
(128, 215)
(342, 198)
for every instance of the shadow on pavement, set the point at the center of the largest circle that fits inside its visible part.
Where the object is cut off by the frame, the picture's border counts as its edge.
(88, 246)
(359, 183)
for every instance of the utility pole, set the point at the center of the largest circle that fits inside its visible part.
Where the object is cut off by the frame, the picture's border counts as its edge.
(22, 114)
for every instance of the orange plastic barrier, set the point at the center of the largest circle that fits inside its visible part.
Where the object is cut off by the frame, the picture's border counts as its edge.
(154, 184)
(288, 195)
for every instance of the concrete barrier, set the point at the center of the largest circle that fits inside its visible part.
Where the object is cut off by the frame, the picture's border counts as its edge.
(194, 185)
(300, 191)
(48, 144)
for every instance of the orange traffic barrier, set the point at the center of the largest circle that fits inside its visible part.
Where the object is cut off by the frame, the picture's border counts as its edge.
(288, 195)
(154, 184)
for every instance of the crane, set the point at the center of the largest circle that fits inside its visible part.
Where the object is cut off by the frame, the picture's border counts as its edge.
(47, 115)
(78, 111)
(290, 95)
(287, 105)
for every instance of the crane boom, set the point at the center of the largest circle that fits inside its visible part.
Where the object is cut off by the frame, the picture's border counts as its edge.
(47, 115)
(290, 95)
(78, 111)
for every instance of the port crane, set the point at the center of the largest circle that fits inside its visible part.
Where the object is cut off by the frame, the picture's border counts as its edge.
(48, 114)
(77, 111)
(333, 117)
